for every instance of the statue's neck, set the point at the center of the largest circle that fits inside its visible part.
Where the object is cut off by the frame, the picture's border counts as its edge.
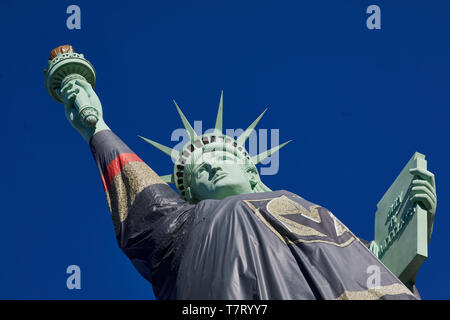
(261, 187)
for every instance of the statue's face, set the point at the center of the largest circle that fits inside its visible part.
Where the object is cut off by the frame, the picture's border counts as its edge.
(219, 175)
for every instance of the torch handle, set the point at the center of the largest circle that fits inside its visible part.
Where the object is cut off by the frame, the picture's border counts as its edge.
(88, 115)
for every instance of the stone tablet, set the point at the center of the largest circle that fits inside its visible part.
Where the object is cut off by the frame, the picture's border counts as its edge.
(401, 226)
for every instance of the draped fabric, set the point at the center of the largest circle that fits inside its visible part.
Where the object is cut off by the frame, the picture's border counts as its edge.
(271, 245)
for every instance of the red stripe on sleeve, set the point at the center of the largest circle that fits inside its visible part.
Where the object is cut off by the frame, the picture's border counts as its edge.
(115, 167)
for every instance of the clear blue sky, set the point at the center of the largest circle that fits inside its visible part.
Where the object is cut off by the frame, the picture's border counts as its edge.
(357, 103)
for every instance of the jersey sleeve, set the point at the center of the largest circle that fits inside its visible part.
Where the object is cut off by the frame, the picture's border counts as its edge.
(147, 214)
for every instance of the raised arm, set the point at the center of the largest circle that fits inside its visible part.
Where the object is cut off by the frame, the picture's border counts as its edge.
(127, 180)
(147, 214)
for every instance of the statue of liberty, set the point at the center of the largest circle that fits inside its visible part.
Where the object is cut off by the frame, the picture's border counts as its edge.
(224, 235)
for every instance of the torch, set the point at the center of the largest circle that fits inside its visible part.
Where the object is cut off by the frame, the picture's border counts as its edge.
(65, 65)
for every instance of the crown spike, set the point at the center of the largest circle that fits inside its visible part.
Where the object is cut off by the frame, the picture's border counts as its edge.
(168, 178)
(263, 155)
(169, 151)
(244, 136)
(219, 119)
(186, 124)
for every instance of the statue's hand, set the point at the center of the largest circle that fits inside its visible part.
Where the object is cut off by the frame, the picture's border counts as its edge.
(374, 248)
(83, 92)
(423, 192)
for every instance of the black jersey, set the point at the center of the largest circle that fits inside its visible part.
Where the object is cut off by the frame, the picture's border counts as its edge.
(271, 245)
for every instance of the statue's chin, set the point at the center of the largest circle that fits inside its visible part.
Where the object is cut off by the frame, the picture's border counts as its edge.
(222, 188)
(225, 189)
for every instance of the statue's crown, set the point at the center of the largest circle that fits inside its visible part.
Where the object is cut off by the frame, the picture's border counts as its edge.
(215, 141)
